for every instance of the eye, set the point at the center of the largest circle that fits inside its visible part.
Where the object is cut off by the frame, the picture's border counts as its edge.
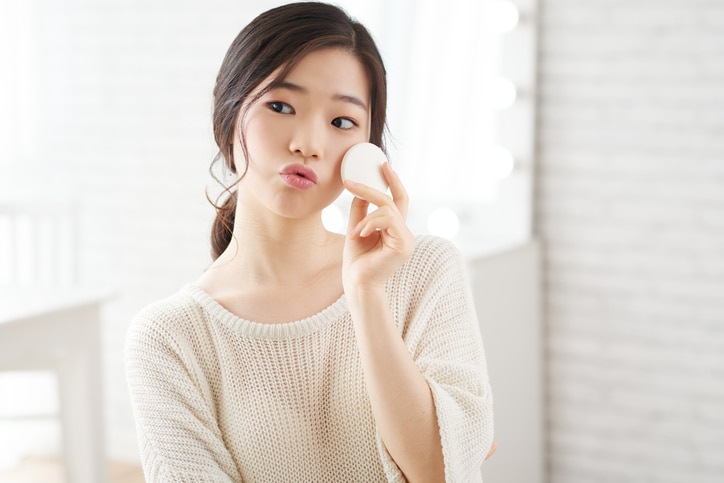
(281, 107)
(343, 123)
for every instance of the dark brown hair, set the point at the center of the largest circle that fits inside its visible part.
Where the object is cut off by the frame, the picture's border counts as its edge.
(280, 38)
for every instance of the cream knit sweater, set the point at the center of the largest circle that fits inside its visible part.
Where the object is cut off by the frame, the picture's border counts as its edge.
(217, 398)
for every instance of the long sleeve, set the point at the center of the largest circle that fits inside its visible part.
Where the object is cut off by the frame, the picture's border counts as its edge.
(178, 431)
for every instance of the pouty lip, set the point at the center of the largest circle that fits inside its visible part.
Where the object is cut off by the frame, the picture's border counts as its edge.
(300, 170)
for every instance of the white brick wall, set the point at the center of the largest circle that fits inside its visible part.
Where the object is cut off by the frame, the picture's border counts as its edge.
(630, 207)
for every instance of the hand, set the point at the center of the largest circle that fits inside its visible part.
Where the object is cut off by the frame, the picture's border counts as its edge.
(492, 450)
(378, 243)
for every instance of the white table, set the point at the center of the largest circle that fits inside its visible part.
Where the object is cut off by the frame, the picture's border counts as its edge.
(59, 330)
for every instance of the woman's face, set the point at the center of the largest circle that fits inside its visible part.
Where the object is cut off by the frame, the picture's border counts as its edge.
(297, 134)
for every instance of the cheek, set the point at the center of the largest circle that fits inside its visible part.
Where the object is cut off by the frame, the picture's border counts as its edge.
(329, 173)
(253, 139)
(336, 180)
(237, 146)
(262, 135)
(239, 158)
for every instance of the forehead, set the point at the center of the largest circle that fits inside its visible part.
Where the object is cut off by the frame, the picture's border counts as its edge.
(330, 72)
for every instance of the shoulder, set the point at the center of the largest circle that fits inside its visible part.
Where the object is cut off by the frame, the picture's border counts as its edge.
(434, 265)
(433, 255)
(431, 293)
(429, 246)
(165, 320)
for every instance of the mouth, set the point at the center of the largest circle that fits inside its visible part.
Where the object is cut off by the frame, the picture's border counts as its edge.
(299, 176)
(301, 171)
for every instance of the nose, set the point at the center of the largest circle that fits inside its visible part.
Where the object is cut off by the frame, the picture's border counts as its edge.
(308, 140)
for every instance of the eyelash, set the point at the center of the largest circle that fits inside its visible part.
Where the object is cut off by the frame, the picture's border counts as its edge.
(354, 124)
(278, 106)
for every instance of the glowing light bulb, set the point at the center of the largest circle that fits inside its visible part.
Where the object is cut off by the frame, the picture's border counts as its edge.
(502, 16)
(443, 222)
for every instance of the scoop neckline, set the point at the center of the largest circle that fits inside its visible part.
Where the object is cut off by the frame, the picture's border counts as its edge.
(260, 330)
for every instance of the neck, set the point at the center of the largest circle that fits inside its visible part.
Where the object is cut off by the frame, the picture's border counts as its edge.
(271, 249)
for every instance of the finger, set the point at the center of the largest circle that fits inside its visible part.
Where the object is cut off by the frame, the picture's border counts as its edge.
(368, 193)
(385, 220)
(399, 193)
(492, 450)
(369, 226)
(357, 212)
(373, 216)
(390, 233)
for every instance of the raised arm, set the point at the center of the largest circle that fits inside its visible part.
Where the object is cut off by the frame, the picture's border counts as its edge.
(429, 391)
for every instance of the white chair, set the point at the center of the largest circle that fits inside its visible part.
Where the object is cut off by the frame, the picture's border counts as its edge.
(48, 323)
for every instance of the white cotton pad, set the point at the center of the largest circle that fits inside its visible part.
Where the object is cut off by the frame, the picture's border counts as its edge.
(362, 163)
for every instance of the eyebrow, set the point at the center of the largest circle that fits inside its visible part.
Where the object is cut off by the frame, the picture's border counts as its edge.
(337, 97)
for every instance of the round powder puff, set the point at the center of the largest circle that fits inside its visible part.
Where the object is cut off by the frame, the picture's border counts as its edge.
(362, 163)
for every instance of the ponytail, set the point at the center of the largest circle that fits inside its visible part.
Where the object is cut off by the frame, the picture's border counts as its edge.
(223, 227)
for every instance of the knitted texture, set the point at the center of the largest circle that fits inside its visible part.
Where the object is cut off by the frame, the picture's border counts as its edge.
(217, 398)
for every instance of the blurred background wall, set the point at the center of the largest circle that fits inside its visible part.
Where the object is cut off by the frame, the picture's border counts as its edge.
(628, 204)
(630, 208)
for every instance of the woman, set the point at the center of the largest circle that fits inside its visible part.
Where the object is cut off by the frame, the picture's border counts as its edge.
(300, 354)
